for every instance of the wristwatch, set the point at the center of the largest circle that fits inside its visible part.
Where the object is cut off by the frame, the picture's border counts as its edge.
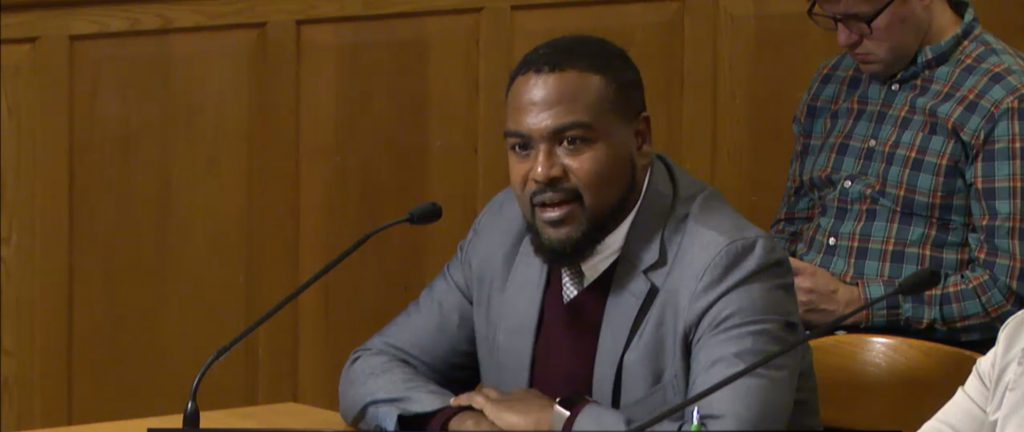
(563, 408)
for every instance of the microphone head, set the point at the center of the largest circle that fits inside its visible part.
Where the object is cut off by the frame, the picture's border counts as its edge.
(920, 281)
(426, 214)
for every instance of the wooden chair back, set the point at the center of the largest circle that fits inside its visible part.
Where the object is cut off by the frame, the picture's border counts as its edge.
(872, 382)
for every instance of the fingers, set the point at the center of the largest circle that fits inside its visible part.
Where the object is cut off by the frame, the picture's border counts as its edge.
(476, 399)
(803, 284)
(799, 267)
(806, 277)
(490, 392)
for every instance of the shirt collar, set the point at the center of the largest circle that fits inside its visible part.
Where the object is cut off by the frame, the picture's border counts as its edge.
(608, 250)
(936, 55)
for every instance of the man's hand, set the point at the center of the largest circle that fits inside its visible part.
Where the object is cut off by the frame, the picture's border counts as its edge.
(471, 420)
(821, 297)
(521, 410)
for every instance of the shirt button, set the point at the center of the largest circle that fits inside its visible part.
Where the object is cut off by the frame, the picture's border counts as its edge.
(872, 143)
(847, 184)
(832, 241)
(895, 87)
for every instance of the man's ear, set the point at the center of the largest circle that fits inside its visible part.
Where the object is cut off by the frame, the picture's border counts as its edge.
(642, 138)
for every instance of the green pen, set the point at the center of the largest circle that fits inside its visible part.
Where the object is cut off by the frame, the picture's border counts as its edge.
(695, 427)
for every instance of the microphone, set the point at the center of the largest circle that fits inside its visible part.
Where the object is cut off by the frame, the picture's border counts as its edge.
(918, 282)
(423, 214)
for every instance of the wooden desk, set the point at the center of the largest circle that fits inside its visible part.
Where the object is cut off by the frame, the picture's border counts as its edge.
(283, 415)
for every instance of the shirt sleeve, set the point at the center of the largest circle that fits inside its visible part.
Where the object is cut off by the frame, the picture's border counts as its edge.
(968, 409)
(798, 206)
(965, 411)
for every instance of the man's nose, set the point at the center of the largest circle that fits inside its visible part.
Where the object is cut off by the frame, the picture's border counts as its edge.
(847, 39)
(548, 167)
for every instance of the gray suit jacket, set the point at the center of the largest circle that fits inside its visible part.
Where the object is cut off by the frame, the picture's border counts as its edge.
(707, 293)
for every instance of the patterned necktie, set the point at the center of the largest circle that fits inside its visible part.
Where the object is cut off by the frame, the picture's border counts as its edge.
(572, 282)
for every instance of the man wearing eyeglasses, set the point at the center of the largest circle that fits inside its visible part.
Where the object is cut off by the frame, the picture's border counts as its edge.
(909, 154)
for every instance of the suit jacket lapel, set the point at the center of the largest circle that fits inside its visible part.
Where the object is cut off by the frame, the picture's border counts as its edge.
(519, 306)
(643, 248)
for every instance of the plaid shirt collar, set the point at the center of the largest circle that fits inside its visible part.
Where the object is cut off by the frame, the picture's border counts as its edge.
(933, 56)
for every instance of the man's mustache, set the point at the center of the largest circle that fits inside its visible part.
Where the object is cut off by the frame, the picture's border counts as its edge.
(555, 194)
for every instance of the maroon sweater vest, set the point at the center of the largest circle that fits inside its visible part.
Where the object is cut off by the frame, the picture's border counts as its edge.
(563, 352)
(567, 336)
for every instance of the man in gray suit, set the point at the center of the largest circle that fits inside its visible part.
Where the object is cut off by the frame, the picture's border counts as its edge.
(604, 285)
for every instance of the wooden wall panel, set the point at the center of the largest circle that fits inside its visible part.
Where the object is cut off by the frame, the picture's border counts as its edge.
(495, 63)
(78, 17)
(272, 217)
(387, 111)
(17, 233)
(33, 233)
(652, 33)
(698, 109)
(1004, 18)
(160, 144)
(767, 54)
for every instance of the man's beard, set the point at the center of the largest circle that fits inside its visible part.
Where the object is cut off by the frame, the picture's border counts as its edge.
(579, 246)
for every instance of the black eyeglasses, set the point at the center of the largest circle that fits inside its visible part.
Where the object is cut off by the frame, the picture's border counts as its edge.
(859, 25)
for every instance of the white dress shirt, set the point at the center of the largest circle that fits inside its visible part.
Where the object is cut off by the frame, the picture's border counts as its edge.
(992, 399)
(609, 249)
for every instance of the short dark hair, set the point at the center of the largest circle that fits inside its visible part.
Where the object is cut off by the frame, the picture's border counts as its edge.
(593, 55)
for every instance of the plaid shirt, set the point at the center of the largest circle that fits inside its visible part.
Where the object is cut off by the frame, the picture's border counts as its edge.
(923, 170)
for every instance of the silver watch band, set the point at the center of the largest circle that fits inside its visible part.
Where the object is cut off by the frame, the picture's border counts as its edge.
(558, 416)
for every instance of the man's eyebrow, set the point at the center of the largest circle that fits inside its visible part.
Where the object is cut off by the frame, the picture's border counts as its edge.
(856, 14)
(573, 125)
(558, 130)
(515, 134)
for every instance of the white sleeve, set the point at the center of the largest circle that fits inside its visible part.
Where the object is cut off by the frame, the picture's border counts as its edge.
(967, 410)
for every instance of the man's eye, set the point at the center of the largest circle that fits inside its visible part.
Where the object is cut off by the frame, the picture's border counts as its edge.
(572, 142)
(520, 147)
